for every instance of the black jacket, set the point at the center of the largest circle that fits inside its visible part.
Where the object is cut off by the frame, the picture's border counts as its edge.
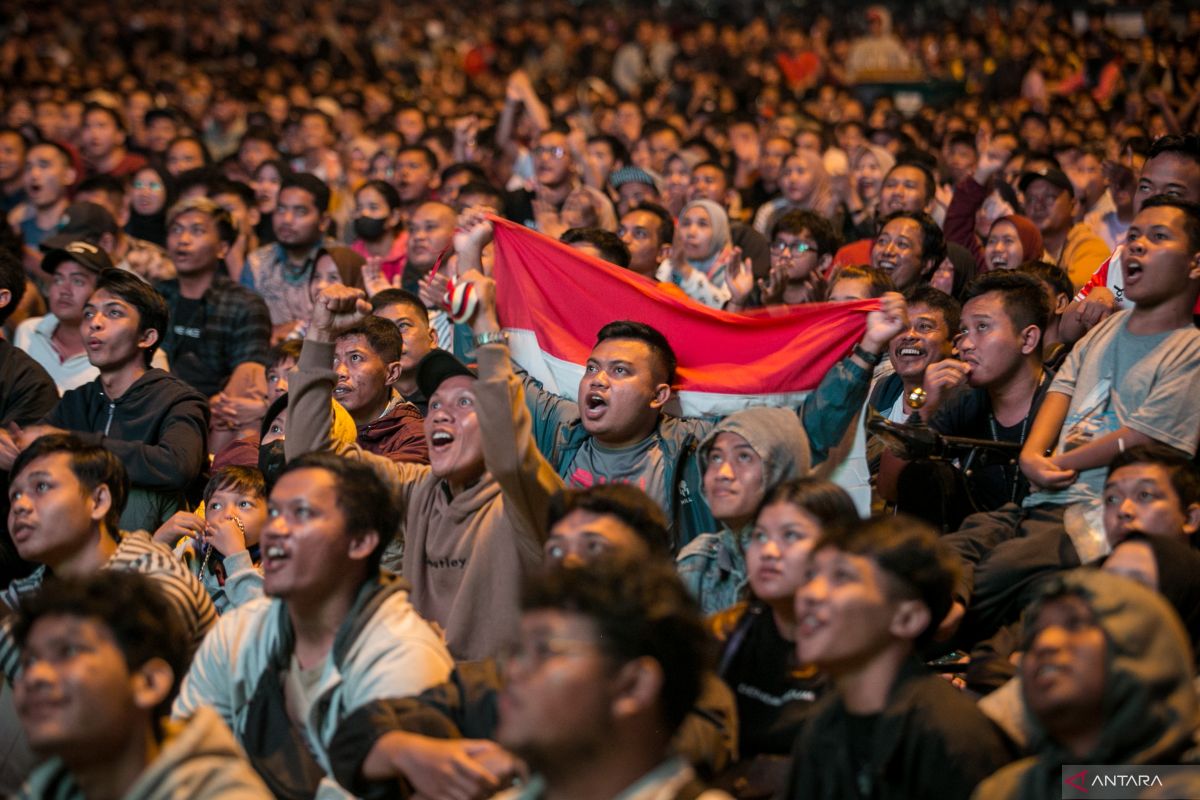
(929, 741)
(158, 428)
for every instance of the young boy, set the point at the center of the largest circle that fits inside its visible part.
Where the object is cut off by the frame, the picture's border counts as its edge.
(1153, 490)
(873, 596)
(221, 547)
(103, 657)
(1132, 381)
(152, 421)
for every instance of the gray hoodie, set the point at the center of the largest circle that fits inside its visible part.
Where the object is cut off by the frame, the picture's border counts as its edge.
(713, 565)
(199, 760)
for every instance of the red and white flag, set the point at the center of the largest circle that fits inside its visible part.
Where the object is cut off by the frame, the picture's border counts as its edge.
(552, 299)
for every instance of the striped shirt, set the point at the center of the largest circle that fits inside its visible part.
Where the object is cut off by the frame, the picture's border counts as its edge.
(137, 552)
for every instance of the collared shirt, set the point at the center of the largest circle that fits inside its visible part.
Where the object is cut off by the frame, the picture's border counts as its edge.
(34, 336)
(230, 326)
(282, 285)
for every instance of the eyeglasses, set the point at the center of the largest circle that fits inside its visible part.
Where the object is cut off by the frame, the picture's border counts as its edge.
(528, 655)
(795, 249)
(553, 152)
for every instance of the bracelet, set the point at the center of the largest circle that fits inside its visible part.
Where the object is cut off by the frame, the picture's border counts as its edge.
(491, 337)
(871, 358)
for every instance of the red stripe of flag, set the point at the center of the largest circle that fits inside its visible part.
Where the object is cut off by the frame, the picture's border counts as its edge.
(564, 297)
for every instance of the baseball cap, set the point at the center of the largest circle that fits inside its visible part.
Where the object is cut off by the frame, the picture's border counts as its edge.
(81, 221)
(88, 256)
(1054, 176)
(437, 366)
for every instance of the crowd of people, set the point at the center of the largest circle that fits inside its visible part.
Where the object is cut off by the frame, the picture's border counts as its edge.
(286, 516)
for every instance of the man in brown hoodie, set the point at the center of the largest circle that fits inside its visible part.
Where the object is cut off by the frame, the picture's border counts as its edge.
(476, 517)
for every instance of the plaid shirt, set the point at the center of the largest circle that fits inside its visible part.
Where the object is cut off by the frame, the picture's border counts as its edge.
(234, 329)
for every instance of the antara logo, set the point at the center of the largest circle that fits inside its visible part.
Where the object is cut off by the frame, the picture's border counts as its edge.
(1122, 781)
(1077, 780)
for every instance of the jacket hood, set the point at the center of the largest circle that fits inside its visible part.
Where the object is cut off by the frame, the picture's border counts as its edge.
(156, 387)
(1150, 707)
(775, 434)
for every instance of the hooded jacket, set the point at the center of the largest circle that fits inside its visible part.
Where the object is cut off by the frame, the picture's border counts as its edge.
(158, 428)
(1150, 706)
(199, 760)
(713, 565)
(399, 434)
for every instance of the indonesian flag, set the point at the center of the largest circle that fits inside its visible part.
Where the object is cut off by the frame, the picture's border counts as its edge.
(553, 300)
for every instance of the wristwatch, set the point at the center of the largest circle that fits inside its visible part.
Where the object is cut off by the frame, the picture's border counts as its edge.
(871, 358)
(490, 337)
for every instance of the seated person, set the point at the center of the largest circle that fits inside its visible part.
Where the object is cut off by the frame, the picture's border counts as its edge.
(155, 423)
(933, 322)
(234, 515)
(57, 341)
(475, 518)
(757, 636)
(112, 644)
(610, 660)
(65, 501)
(991, 391)
(1152, 490)
(1106, 678)
(332, 634)
(616, 429)
(367, 361)
(1131, 382)
(411, 318)
(910, 247)
(873, 596)
(385, 741)
(858, 283)
(1058, 292)
(802, 248)
(1169, 566)
(745, 457)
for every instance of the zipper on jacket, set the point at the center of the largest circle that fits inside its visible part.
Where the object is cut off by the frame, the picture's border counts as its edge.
(108, 424)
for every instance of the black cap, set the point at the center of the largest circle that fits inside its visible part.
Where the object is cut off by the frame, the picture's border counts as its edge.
(81, 221)
(86, 255)
(437, 366)
(1054, 176)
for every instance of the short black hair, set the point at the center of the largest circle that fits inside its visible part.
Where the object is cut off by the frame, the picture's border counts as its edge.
(388, 192)
(639, 609)
(611, 248)
(429, 156)
(916, 564)
(144, 623)
(658, 344)
(718, 166)
(365, 503)
(933, 241)
(316, 188)
(938, 300)
(1052, 275)
(666, 223)
(399, 297)
(1191, 215)
(619, 151)
(930, 181)
(288, 349)
(629, 504)
(234, 478)
(243, 190)
(878, 280)
(190, 137)
(965, 138)
(92, 466)
(92, 107)
(487, 190)
(821, 229)
(1185, 474)
(12, 278)
(711, 153)
(1185, 146)
(382, 337)
(458, 167)
(107, 184)
(1025, 302)
(150, 305)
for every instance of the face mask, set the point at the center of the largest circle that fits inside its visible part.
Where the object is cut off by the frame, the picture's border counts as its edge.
(271, 460)
(369, 228)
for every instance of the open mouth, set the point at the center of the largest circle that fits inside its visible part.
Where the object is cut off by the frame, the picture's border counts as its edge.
(1000, 262)
(274, 557)
(808, 625)
(910, 352)
(440, 440)
(594, 406)
(1133, 269)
